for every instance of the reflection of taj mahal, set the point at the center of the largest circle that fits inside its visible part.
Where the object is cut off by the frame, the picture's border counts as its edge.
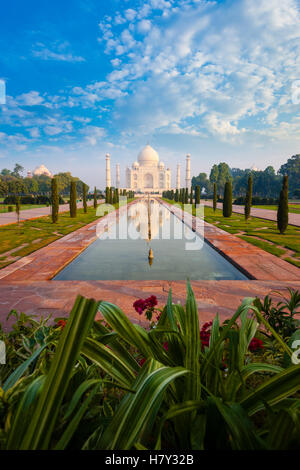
(148, 174)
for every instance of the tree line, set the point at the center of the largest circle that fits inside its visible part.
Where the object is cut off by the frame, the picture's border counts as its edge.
(193, 196)
(13, 183)
(266, 183)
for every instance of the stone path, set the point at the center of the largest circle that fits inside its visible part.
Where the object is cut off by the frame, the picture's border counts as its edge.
(26, 285)
(251, 260)
(8, 218)
(42, 298)
(294, 219)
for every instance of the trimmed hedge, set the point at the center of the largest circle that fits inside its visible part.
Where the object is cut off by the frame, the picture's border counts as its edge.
(257, 201)
(31, 200)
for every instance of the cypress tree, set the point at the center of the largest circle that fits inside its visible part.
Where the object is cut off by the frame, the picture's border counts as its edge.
(18, 207)
(95, 198)
(54, 200)
(215, 197)
(176, 195)
(197, 194)
(84, 191)
(248, 201)
(117, 195)
(73, 199)
(283, 206)
(186, 199)
(111, 196)
(107, 195)
(227, 202)
(191, 196)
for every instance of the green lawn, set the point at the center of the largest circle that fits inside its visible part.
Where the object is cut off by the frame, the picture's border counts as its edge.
(258, 232)
(294, 208)
(31, 235)
(265, 230)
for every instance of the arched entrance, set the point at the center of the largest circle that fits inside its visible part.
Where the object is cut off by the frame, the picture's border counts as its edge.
(148, 181)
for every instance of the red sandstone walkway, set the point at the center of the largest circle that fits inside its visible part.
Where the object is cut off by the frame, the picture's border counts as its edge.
(8, 218)
(294, 219)
(26, 285)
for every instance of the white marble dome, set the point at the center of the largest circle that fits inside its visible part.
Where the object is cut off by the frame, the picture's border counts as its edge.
(42, 170)
(148, 157)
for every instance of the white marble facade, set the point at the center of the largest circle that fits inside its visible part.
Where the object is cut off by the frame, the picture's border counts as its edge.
(148, 174)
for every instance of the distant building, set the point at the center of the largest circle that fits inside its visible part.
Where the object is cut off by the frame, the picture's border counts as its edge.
(42, 170)
(29, 174)
(148, 173)
(254, 168)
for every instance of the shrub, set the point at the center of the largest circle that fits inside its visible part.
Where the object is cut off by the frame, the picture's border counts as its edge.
(283, 206)
(227, 203)
(248, 201)
(84, 200)
(55, 200)
(95, 198)
(73, 199)
(18, 207)
(10, 209)
(215, 198)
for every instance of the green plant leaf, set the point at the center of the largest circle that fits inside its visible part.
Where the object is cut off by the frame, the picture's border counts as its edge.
(136, 409)
(109, 361)
(39, 431)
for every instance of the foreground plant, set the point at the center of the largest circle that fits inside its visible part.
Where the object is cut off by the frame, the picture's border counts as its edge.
(111, 384)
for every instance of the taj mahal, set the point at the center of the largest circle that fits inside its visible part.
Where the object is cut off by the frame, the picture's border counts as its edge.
(148, 174)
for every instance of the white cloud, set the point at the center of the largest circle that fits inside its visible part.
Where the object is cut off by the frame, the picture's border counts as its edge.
(57, 52)
(33, 98)
(220, 63)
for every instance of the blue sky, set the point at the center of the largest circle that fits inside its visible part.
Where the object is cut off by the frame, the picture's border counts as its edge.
(219, 80)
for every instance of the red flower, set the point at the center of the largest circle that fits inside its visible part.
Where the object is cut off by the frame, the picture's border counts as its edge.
(166, 346)
(142, 361)
(61, 324)
(255, 345)
(205, 334)
(140, 305)
(151, 301)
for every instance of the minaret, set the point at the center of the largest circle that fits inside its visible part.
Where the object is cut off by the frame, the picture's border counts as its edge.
(108, 175)
(118, 175)
(188, 172)
(178, 178)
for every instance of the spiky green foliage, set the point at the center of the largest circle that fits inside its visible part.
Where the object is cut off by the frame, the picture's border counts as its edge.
(73, 199)
(283, 206)
(54, 200)
(88, 389)
(248, 201)
(227, 201)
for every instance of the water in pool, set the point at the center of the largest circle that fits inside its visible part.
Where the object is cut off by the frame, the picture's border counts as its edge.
(148, 225)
